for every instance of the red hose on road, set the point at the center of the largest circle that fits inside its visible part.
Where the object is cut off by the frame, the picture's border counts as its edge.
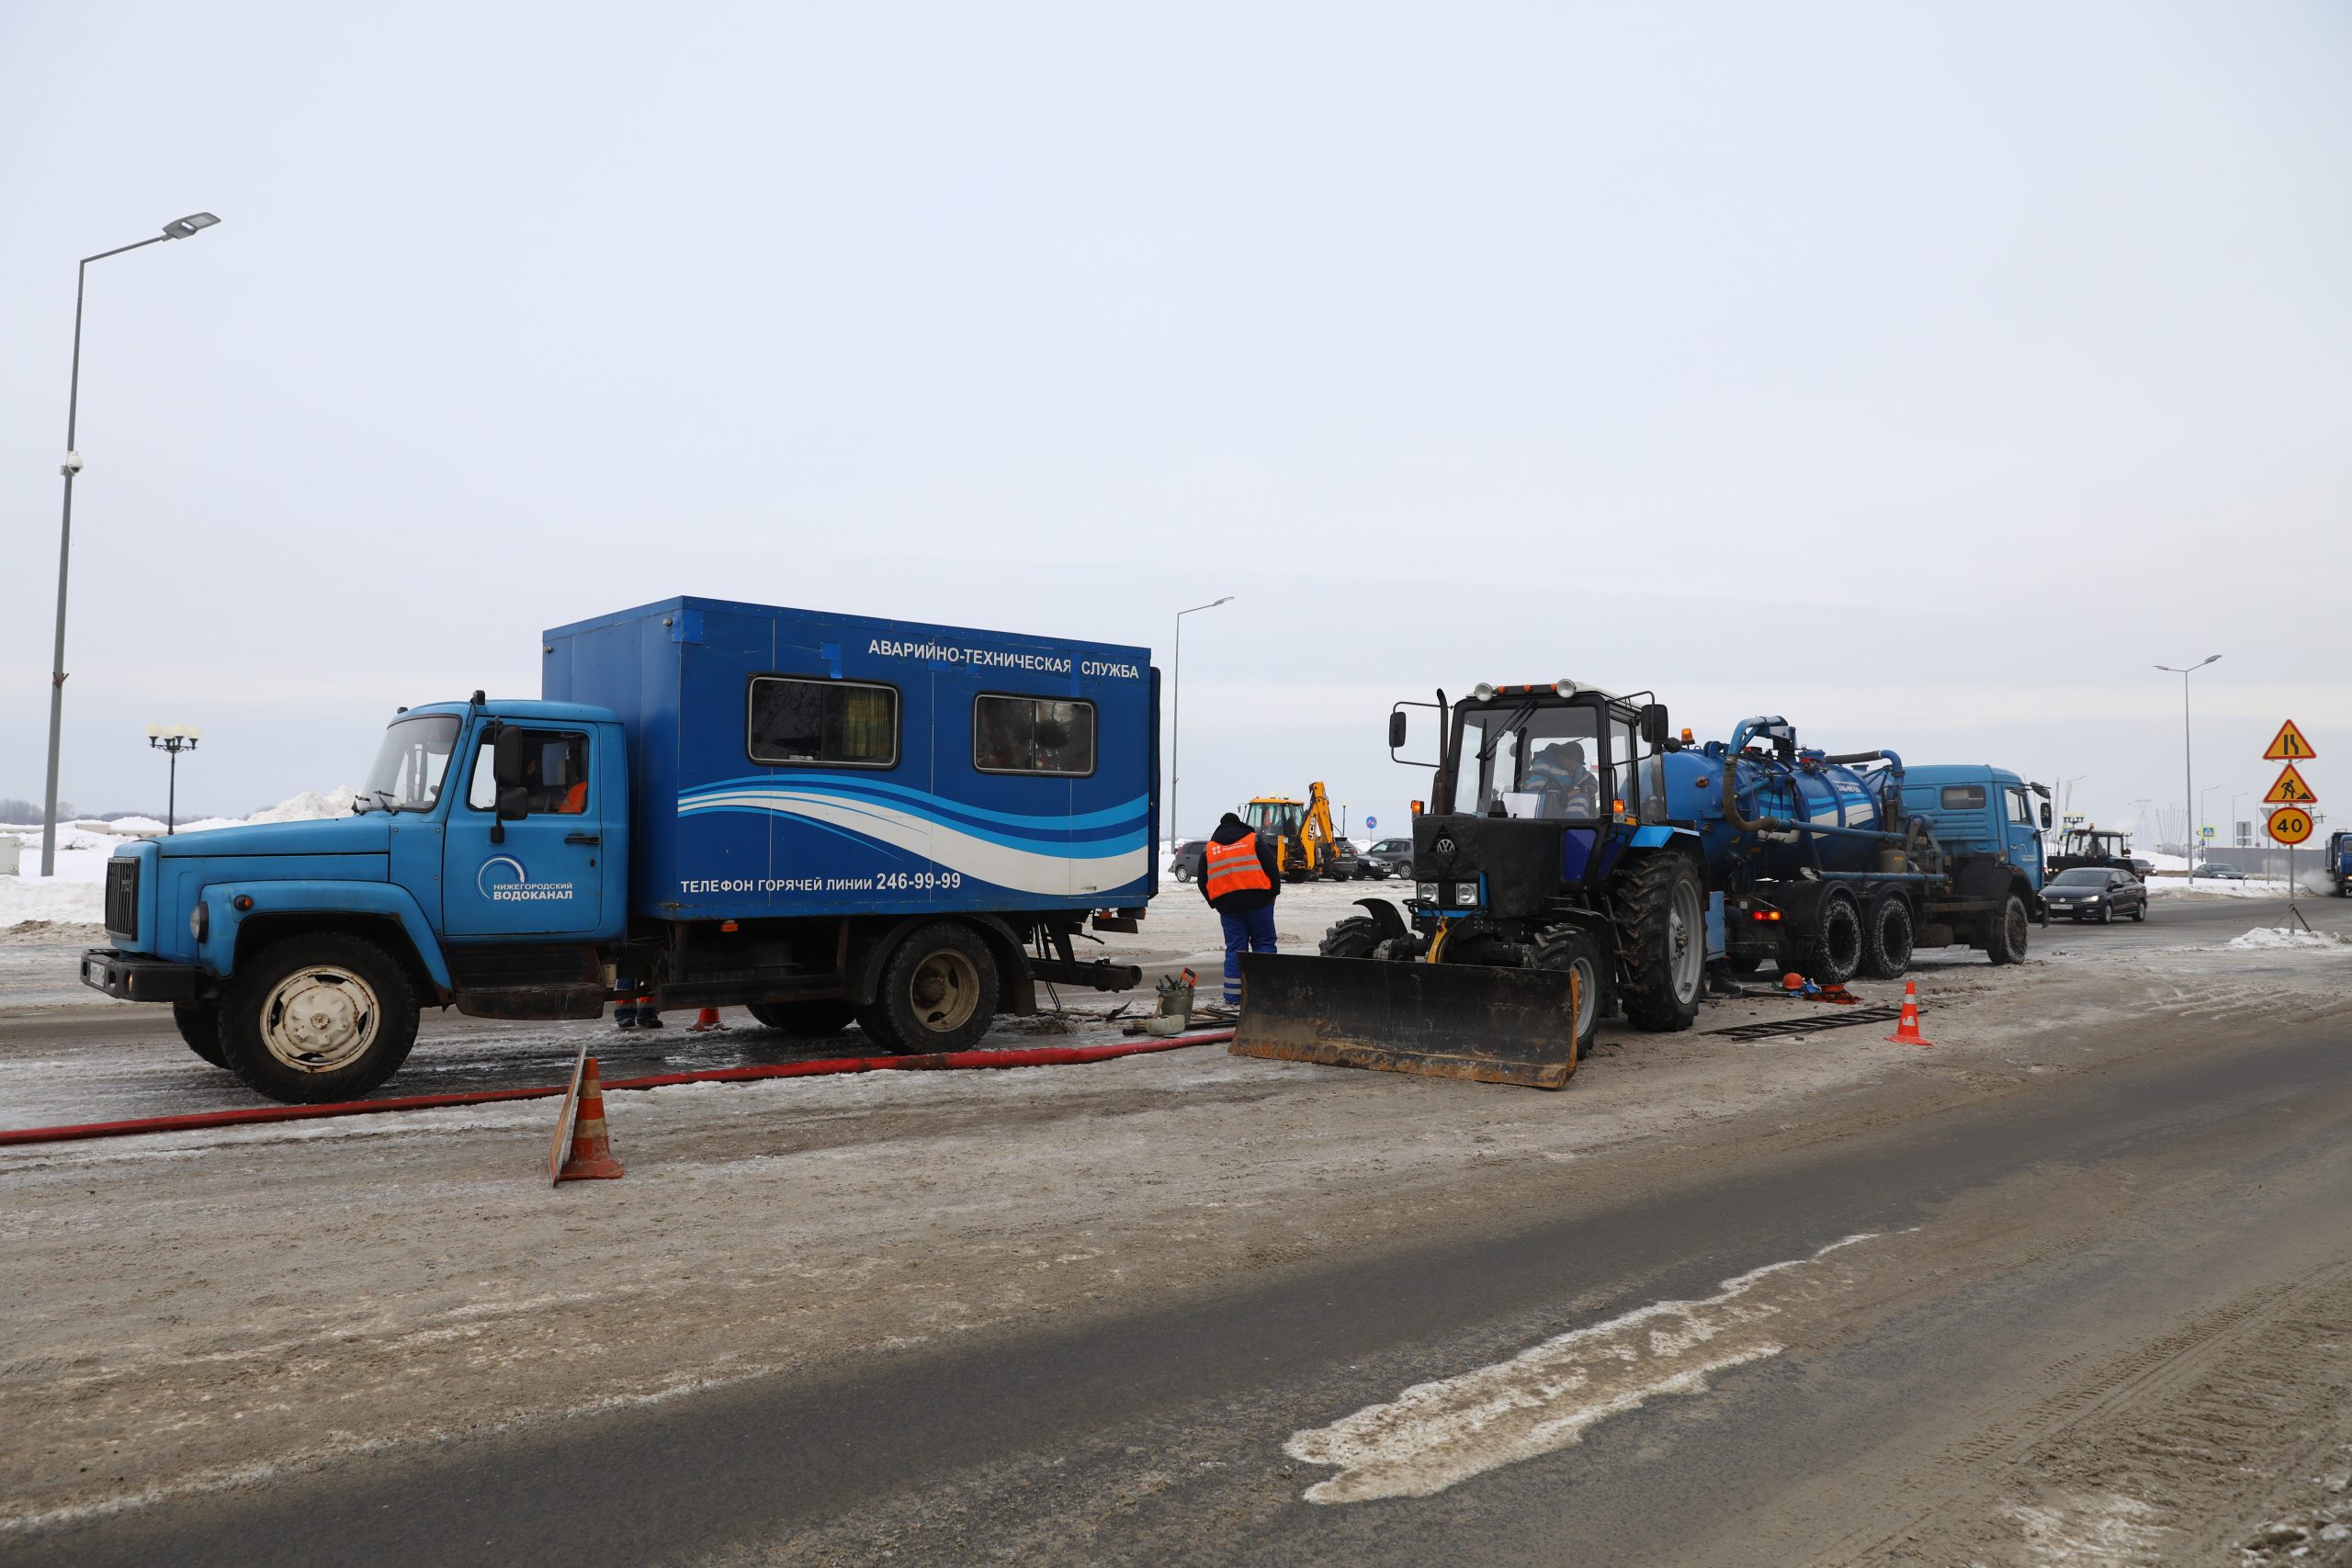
(1035, 1056)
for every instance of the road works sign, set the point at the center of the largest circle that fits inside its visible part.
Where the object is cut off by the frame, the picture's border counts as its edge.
(2290, 824)
(2289, 746)
(2290, 790)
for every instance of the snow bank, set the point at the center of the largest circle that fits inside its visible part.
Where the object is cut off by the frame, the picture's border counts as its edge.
(2216, 886)
(309, 807)
(73, 902)
(2273, 937)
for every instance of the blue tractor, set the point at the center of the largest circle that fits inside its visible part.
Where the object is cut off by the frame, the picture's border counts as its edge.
(1577, 859)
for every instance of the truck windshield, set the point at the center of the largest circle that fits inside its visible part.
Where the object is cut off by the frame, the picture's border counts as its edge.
(409, 768)
(1536, 761)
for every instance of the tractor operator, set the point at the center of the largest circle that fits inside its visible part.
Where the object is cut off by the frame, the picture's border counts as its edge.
(1240, 879)
(1560, 783)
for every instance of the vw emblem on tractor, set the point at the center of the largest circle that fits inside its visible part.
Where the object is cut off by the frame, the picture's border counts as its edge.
(1443, 846)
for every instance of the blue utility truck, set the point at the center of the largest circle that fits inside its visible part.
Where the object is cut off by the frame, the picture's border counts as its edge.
(823, 817)
(1577, 859)
(2339, 863)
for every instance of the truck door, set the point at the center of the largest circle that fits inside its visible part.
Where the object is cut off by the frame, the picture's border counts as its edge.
(543, 874)
(2024, 840)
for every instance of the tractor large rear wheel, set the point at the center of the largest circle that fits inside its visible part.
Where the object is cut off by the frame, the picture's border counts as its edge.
(1661, 918)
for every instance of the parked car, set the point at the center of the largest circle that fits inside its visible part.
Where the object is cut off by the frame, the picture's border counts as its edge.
(1389, 857)
(2215, 869)
(2142, 869)
(1191, 862)
(2096, 893)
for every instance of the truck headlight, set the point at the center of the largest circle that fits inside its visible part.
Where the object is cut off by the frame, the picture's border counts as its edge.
(200, 920)
(1425, 891)
(1466, 892)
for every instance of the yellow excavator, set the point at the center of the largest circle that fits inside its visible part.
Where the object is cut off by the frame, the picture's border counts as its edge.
(1305, 844)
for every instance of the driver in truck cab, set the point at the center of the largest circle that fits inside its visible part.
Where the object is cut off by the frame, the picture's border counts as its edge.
(1560, 783)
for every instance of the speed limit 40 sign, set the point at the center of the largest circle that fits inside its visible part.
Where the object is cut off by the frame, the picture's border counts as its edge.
(2290, 824)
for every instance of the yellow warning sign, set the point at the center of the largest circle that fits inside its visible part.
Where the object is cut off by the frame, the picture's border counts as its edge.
(2290, 790)
(2290, 824)
(2289, 746)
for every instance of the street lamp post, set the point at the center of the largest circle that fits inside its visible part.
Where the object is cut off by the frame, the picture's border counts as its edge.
(172, 739)
(2187, 767)
(177, 229)
(1176, 719)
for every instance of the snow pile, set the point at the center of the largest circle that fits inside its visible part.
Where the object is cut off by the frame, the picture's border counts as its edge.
(309, 807)
(30, 898)
(2275, 938)
(2217, 886)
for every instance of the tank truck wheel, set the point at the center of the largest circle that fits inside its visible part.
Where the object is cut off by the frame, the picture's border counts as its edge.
(938, 992)
(1886, 937)
(317, 1019)
(1836, 941)
(1354, 937)
(809, 1019)
(199, 1024)
(1565, 947)
(1661, 916)
(2005, 941)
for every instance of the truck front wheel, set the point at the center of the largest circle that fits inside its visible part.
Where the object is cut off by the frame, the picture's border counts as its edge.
(938, 992)
(199, 1025)
(2006, 931)
(317, 1019)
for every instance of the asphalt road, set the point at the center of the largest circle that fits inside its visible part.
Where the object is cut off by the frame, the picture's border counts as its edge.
(2089, 1308)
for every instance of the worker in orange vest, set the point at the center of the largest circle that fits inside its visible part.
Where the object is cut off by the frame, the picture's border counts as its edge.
(1241, 881)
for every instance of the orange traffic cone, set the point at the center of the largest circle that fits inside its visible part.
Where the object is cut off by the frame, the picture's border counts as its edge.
(705, 1021)
(1907, 1032)
(591, 1152)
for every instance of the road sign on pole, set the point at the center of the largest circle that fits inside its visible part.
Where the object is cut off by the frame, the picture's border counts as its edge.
(2290, 790)
(2290, 824)
(2289, 746)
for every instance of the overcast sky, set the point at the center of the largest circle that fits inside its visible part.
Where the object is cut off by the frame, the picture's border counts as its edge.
(1923, 373)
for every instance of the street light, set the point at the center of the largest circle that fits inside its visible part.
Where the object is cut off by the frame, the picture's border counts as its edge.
(1176, 721)
(2187, 777)
(177, 229)
(173, 739)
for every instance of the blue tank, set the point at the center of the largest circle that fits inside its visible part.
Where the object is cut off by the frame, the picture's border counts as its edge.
(1774, 783)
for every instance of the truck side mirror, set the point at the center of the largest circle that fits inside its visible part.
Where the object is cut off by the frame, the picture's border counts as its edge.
(1397, 729)
(2045, 814)
(1655, 732)
(509, 759)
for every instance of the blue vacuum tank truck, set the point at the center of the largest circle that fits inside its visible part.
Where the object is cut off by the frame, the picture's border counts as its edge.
(823, 817)
(1577, 859)
(2339, 863)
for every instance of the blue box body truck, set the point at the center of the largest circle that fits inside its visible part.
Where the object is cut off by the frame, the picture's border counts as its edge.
(823, 817)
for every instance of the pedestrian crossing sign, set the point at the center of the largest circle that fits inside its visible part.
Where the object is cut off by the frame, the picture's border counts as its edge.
(2289, 789)
(2289, 746)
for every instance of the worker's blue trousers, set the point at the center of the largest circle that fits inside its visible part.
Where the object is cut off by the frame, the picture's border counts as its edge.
(1252, 932)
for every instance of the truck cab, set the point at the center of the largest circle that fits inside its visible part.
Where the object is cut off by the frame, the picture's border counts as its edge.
(1982, 812)
(2339, 863)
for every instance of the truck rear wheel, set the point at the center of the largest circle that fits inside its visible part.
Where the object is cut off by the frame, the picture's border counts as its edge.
(1565, 947)
(316, 1019)
(1662, 921)
(1837, 950)
(938, 992)
(199, 1025)
(2006, 931)
(810, 1020)
(1886, 936)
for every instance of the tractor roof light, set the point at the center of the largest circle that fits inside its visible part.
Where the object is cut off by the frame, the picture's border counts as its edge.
(1484, 691)
(1564, 688)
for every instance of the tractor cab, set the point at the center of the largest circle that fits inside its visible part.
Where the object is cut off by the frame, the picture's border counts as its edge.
(2100, 847)
(1537, 788)
(1277, 817)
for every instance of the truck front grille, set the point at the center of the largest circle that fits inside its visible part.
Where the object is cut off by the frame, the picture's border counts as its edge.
(122, 898)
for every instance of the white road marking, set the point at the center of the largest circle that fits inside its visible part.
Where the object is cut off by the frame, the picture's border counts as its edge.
(1436, 1434)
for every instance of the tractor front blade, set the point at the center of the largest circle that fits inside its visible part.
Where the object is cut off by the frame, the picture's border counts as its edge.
(1447, 1021)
